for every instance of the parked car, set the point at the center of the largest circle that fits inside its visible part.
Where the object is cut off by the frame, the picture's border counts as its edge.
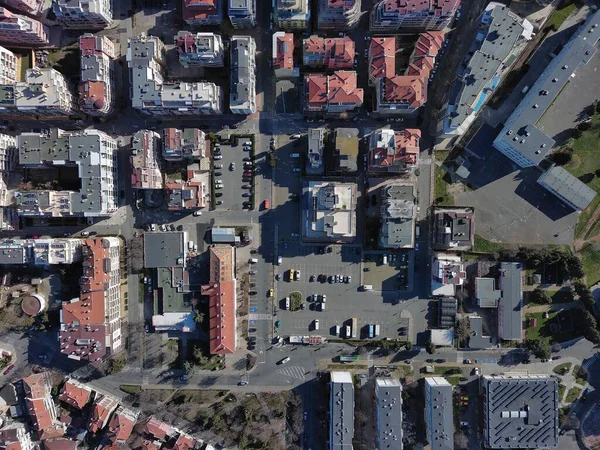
(232, 166)
(197, 213)
(218, 157)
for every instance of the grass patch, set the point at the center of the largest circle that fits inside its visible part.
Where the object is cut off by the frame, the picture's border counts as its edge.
(484, 246)
(573, 394)
(590, 258)
(442, 197)
(584, 218)
(562, 369)
(580, 375)
(295, 301)
(587, 147)
(454, 381)
(561, 392)
(446, 370)
(131, 389)
(538, 331)
(347, 366)
(560, 14)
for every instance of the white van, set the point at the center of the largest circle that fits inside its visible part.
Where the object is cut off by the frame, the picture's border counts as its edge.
(367, 287)
(377, 329)
(253, 260)
(190, 245)
(316, 324)
(385, 261)
(287, 303)
(322, 306)
(338, 329)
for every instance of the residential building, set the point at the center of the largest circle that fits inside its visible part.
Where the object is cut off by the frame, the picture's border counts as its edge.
(221, 292)
(520, 139)
(75, 394)
(336, 93)
(31, 7)
(44, 93)
(292, 14)
(340, 15)
(14, 436)
(97, 168)
(447, 272)
(341, 411)
(197, 13)
(103, 407)
(90, 326)
(510, 305)
(501, 37)
(184, 144)
(393, 152)
(439, 417)
(191, 194)
(96, 88)
(14, 252)
(151, 95)
(200, 49)
(382, 58)
(224, 235)
(520, 411)
(187, 442)
(242, 98)
(447, 309)
(8, 67)
(346, 150)
(453, 228)
(398, 212)
(486, 294)
(21, 31)
(388, 395)
(330, 53)
(121, 425)
(83, 15)
(283, 55)
(568, 188)
(316, 146)
(412, 15)
(329, 211)
(242, 13)
(8, 160)
(145, 160)
(37, 389)
(158, 430)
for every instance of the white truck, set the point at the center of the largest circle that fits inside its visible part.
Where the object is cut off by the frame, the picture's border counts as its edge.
(367, 287)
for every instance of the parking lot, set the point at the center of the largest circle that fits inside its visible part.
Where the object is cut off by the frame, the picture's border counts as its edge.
(234, 191)
(396, 274)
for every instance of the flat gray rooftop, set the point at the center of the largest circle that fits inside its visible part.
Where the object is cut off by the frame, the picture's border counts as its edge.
(341, 419)
(511, 301)
(389, 413)
(439, 413)
(163, 249)
(566, 186)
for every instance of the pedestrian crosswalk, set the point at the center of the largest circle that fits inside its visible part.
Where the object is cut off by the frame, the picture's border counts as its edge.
(296, 372)
(259, 316)
(588, 362)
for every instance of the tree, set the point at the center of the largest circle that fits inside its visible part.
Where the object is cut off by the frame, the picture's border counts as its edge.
(199, 317)
(461, 441)
(540, 296)
(430, 348)
(463, 330)
(561, 157)
(579, 287)
(574, 266)
(408, 346)
(539, 347)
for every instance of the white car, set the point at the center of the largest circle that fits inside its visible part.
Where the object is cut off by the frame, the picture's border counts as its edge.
(248, 143)
(197, 213)
(218, 157)
(279, 260)
(295, 136)
(218, 166)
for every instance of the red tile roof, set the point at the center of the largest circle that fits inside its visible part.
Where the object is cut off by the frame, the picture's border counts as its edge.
(222, 310)
(101, 411)
(199, 9)
(317, 88)
(382, 56)
(404, 155)
(429, 43)
(404, 90)
(38, 400)
(439, 7)
(156, 428)
(337, 89)
(121, 425)
(185, 442)
(284, 52)
(75, 394)
(333, 53)
(60, 444)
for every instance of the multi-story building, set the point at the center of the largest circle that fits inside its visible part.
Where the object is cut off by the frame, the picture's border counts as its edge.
(242, 97)
(382, 58)
(292, 14)
(83, 15)
(393, 152)
(45, 92)
(520, 411)
(97, 168)
(438, 413)
(283, 55)
(510, 305)
(501, 37)
(342, 15)
(388, 395)
(398, 212)
(198, 13)
(15, 436)
(336, 93)
(447, 272)
(187, 143)
(103, 407)
(151, 95)
(31, 7)
(96, 96)
(453, 228)
(21, 31)
(37, 390)
(8, 66)
(75, 394)
(331, 53)
(316, 147)
(345, 152)
(191, 194)
(568, 188)
(41, 251)
(90, 326)
(242, 13)
(145, 160)
(8, 159)
(200, 49)
(121, 425)
(412, 15)
(341, 411)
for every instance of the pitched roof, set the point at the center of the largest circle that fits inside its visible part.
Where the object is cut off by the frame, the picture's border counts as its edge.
(75, 394)
(222, 310)
(185, 442)
(283, 51)
(156, 428)
(101, 411)
(405, 89)
(121, 424)
(382, 54)
(342, 88)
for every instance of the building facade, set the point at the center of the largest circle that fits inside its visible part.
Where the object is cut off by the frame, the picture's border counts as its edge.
(412, 15)
(242, 13)
(340, 15)
(198, 13)
(242, 97)
(145, 160)
(96, 88)
(200, 49)
(31, 7)
(292, 14)
(336, 93)
(21, 31)
(78, 15)
(8, 66)
(438, 413)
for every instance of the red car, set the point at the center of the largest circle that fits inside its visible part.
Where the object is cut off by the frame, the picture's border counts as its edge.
(8, 369)
(267, 204)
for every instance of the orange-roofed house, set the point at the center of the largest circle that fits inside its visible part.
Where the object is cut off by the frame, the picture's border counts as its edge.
(336, 93)
(38, 399)
(382, 58)
(393, 152)
(157, 429)
(96, 87)
(60, 444)
(283, 55)
(75, 394)
(103, 407)
(203, 12)
(400, 94)
(187, 143)
(331, 53)
(121, 425)
(186, 442)
(412, 15)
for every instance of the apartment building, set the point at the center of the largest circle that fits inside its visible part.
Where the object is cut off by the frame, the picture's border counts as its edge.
(398, 212)
(96, 88)
(145, 160)
(292, 14)
(330, 53)
(197, 13)
(8, 159)
(453, 228)
(242, 97)
(388, 395)
(8, 66)
(242, 13)
(37, 390)
(31, 7)
(152, 96)
(103, 407)
(90, 326)
(316, 148)
(382, 58)
(412, 15)
(187, 143)
(283, 55)
(75, 394)
(447, 272)
(191, 194)
(393, 152)
(336, 93)
(14, 436)
(92, 152)
(121, 425)
(45, 92)
(341, 411)
(438, 413)
(21, 31)
(340, 15)
(200, 49)
(510, 305)
(83, 14)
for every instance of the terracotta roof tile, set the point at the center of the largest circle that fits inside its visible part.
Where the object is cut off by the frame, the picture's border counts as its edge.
(75, 394)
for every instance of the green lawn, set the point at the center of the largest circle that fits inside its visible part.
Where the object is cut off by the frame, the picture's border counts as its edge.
(580, 377)
(561, 296)
(590, 257)
(584, 217)
(442, 198)
(443, 370)
(130, 388)
(485, 246)
(566, 367)
(573, 394)
(560, 14)
(561, 391)
(541, 329)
